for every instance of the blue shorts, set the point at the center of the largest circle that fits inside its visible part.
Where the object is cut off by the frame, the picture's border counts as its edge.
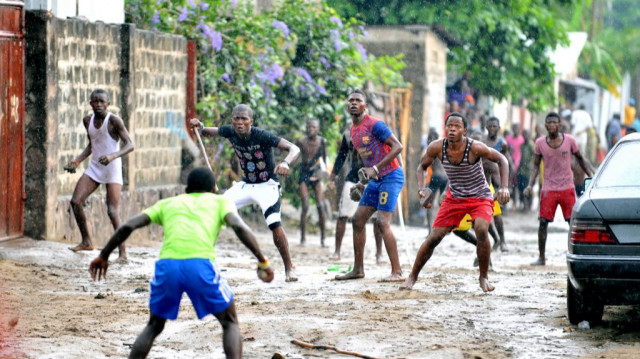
(208, 291)
(383, 193)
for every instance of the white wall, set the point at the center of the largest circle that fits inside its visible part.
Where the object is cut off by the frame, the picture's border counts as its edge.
(108, 11)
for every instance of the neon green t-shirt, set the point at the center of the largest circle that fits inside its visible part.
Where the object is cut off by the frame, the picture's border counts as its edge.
(191, 224)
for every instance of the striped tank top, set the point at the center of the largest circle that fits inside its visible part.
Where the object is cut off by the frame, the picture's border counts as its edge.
(466, 180)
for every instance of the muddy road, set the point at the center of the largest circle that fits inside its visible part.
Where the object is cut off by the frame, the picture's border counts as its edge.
(50, 308)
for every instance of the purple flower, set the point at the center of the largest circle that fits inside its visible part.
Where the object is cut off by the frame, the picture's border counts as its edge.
(234, 3)
(183, 15)
(351, 35)
(159, 2)
(271, 73)
(204, 6)
(282, 26)
(336, 21)
(364, 32)
(302, 72)
(219, 149)
(156, 18)
(252, 83)
(214, 36)
(335, 36)
(216, 41)
(324, 62)
(191, 3)
(363, 51)
(321, 89)
(303, 88)
(226, 77)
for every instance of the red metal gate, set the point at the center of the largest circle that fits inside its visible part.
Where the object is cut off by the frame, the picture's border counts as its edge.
(12, 48)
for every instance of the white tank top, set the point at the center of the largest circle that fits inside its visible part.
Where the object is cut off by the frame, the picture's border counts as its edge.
(103, 144)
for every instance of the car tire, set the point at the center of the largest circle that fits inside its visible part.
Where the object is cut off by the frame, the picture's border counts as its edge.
(582, 306)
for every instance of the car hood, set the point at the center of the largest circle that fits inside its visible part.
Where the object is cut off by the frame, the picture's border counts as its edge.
(617, 203)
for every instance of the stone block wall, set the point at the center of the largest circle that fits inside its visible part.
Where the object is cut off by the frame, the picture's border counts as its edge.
(160, 69)
(145, 74)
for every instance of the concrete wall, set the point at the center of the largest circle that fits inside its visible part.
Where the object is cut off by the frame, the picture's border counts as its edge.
(145, 76)
(425, 56)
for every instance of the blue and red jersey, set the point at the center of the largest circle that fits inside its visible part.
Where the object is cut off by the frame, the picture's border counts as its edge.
(368, 139)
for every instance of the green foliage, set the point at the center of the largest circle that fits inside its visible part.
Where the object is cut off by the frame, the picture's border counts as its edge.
(295, 61)
(504, 42)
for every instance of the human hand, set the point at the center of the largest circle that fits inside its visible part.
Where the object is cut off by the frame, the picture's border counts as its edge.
(71, 166)
(195, 123)
(503, 195)
(98, 268)
(106, 159)
(527, 191)
(264, 271)
(282, 168)
(426, 195)
(356, 192)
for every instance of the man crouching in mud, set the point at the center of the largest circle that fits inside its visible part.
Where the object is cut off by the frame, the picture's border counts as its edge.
(468, 193)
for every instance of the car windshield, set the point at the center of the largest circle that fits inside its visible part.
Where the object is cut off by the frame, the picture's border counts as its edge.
(623, 167)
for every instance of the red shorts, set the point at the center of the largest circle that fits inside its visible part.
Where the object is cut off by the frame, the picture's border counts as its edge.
(549, 201)
(452, 210)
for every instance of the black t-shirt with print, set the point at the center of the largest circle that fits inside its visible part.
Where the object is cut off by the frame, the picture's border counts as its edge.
(255, 154)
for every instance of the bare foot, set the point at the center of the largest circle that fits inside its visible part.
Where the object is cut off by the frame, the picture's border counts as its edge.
(122, 260)
(379, 259)
(290, 277)
(503, 247)
(485, 285)
(351, 275)
(335, 256)
(322, 243)
(495, 247)
(302, 242)
(408, 284)
(81, 247)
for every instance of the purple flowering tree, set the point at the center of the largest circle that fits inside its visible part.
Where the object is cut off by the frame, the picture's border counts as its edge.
(294, 61)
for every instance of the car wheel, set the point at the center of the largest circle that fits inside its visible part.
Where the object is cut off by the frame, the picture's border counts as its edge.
(582, 306)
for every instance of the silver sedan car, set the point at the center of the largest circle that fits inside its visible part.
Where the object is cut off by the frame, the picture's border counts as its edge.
(603, 259)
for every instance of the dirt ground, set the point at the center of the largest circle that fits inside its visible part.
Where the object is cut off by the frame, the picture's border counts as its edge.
(50, 308)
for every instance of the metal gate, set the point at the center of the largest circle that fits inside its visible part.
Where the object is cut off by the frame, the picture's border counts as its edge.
(12, 49)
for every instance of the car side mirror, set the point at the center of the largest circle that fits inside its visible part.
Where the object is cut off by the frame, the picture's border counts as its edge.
(587, 182)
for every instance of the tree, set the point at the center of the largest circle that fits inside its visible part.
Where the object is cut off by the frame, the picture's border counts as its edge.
(504, 42)
(294, 61)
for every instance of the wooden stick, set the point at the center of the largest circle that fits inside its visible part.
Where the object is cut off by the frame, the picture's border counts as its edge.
(204, 153)
(330, 347)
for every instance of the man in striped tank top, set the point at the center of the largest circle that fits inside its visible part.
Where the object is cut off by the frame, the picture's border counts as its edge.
(379, 149)
(468, 192)
(105, 131)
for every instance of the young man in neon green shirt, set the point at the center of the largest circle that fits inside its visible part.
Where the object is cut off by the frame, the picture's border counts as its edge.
(191, 224)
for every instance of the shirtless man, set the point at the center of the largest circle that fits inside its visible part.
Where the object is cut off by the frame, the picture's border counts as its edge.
(313, 150)
(468, 193)
(105, 131)
(254, 148)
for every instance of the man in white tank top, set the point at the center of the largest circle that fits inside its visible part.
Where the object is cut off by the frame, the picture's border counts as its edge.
(105, 131)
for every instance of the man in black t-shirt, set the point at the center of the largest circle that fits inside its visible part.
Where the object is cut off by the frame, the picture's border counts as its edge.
(259, 185)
